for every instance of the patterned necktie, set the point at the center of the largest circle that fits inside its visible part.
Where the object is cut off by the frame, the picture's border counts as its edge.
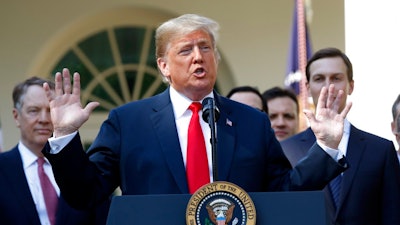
(49, 193)
(197, 171)
(335, 186)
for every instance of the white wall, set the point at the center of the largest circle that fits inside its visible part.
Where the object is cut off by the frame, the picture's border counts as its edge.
(372, 40)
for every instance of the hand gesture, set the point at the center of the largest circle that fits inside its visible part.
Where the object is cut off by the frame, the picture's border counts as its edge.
(67, 114)
(328, 123)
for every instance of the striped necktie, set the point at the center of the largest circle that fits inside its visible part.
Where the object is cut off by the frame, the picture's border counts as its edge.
(335, 187)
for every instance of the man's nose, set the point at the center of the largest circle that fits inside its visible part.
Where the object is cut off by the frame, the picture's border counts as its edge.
(198, 56)
(44, 116)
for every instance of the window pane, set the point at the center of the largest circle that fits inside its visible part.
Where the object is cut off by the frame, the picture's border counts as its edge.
(74, 64)
(97, 49)
(130, 43)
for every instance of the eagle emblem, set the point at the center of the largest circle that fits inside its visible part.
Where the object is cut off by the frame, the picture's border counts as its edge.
(220, 211)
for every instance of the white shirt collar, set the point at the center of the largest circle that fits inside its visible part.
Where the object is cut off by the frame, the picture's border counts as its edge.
(181, 103)
(346, 127)
(28, 158)
(345, 138)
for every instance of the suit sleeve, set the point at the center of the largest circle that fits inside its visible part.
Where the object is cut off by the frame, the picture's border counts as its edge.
(315, 170)
(87, 179)
(391, 188)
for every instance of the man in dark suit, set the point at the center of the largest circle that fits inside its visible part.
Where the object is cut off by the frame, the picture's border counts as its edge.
(142, 145)
(21, 197)
(370, 187)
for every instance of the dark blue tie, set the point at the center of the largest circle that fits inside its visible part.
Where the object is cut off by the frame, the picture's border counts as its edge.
(335, 186)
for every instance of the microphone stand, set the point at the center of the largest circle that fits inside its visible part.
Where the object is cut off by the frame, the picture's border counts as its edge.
(213, 140)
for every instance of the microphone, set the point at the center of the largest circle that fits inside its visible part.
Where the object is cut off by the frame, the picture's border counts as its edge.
(209, 107)
(211, 115)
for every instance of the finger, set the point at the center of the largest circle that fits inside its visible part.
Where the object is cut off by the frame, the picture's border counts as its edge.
(331, 96)
(76, 90)
(322, 99)
(90, 107)
(46, 89)
(309, 115)
(346, 109)
(338, 100)
(58, 84)
(66, 81)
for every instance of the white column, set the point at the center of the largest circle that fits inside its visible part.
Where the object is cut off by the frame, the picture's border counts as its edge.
(372, 39)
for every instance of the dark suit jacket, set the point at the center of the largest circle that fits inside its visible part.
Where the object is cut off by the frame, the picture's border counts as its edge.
(371, 185)
(16, 202)
(138, 148)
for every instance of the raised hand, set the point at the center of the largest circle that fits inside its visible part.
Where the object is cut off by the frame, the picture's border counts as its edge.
(328, 123)
(67, 114)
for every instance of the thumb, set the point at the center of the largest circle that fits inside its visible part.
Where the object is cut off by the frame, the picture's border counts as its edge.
(91, 106)
(310, 115)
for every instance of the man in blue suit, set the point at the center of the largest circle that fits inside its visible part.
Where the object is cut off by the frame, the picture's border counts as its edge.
(21, 197)
(141, 147)
(370, 187)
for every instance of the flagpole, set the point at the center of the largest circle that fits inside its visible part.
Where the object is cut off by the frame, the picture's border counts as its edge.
(299, 53)
(302, 59)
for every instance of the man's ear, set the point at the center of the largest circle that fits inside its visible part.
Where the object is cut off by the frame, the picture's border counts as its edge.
(393, 127)
(16, 115)
(163, 67)
(351, 87)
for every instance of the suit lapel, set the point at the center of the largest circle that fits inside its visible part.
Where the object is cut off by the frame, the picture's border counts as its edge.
(225, 139)
(164, 122)
(306, 141)
(16, 175)
(355, 151)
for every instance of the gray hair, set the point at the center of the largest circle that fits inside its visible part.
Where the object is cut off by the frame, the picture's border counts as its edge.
(182, 25)
(20, 89)
(394, 107)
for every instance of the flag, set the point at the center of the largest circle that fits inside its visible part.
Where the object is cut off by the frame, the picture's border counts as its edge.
(299, 52)
(299, 49)
(228, 122)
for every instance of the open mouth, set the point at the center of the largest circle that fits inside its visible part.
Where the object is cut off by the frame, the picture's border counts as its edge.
(199, 71)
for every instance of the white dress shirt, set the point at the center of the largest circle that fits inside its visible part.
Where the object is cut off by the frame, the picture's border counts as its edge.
(30, 166)
(183, 114)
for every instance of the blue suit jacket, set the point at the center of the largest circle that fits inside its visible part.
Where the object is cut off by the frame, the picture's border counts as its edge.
(371, 185)
(138, 148)
(16, 202)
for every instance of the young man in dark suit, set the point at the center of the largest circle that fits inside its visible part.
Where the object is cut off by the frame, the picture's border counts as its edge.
(370, 187)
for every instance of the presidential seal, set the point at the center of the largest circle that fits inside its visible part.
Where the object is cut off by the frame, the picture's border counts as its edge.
(220, 203)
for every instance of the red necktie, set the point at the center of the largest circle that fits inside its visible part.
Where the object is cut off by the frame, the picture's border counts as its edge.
(49, 193)
(197, 172)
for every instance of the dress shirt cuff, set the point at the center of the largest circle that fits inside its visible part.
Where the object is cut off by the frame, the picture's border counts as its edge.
(58, 143)
(336, 154)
